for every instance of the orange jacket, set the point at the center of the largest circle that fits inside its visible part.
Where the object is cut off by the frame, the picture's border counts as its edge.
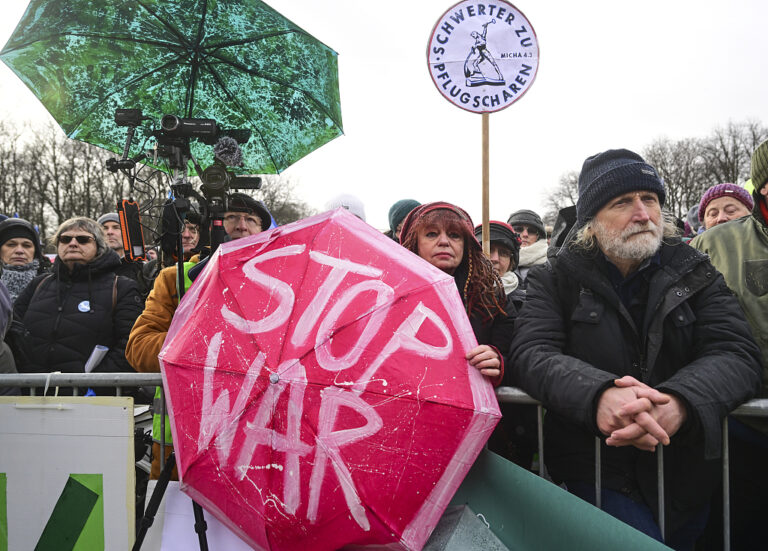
(149, 331)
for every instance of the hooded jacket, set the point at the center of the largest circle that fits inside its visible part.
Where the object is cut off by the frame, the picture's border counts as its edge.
(61, 316)
(574, 337)
(739, 249)
(7, 365)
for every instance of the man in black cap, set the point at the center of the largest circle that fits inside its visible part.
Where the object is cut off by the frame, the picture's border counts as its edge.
(245, 216)
(528, 225)
(632, 336)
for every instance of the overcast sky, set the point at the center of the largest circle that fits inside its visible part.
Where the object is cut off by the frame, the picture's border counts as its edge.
(611, 74)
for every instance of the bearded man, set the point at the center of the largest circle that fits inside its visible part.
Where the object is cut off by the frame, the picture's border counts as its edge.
(631, 336)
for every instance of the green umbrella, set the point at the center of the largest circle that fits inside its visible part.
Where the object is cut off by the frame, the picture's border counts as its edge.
(238, 62)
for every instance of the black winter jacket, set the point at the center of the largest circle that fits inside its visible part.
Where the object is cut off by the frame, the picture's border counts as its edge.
(60, 317)
(574, 336)
(494, 330)
(135, 271)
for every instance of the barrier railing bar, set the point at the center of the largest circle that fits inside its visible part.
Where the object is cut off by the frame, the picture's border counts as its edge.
(514, 395)
(753, 408)
(506, 394)
(81, 379)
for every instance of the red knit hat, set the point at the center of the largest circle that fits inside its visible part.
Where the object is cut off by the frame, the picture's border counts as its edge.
(421, 210)
(724, 190)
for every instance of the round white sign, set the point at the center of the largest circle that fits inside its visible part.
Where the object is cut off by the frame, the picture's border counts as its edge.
(483, 56)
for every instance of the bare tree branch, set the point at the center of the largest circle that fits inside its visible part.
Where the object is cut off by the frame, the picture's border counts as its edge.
(564, 195)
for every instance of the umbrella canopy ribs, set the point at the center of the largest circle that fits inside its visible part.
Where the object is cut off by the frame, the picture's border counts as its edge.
(318, 389)
(238, 62)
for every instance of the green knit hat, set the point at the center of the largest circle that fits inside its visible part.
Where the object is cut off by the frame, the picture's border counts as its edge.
(399, 211)
(760, 166)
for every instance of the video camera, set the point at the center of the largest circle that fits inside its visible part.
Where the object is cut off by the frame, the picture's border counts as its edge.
(173, 137)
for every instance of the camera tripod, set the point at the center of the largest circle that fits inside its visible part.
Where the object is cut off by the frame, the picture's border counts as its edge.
(154, 504)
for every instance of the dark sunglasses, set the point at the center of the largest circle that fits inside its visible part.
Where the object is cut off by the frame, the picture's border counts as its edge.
(82, 239)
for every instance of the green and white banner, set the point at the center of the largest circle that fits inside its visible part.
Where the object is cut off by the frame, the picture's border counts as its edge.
(526, 512)
(66, 474)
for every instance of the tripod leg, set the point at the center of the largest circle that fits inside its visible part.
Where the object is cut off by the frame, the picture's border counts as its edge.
(200, 526)
(154, 502)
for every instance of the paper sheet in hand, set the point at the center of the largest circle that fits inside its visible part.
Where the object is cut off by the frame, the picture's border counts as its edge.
(95, 358)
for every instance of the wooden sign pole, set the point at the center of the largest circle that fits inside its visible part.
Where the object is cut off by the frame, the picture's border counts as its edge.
(483, 67)
(486, 193)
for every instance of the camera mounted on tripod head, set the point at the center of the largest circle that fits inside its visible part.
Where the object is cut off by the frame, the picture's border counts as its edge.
(173, 137)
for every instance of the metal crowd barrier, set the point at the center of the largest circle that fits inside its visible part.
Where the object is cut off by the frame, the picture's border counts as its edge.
(80, 380)
(753, 408)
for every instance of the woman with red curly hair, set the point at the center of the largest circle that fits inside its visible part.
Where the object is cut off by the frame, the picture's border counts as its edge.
(443, 235)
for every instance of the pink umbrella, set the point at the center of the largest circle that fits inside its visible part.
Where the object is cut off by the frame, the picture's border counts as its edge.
(318, 389)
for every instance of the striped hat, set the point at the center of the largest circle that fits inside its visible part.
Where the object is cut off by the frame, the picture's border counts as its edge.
(760, 166)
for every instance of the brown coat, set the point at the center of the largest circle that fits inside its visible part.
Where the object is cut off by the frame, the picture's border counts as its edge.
(147, 338)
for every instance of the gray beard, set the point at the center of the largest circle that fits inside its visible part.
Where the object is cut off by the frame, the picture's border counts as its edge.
(624, 244)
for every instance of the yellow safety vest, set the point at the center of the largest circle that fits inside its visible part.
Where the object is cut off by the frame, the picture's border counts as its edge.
(158, 401)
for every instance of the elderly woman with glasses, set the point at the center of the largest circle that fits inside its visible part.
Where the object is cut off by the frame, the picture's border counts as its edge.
(60, 317)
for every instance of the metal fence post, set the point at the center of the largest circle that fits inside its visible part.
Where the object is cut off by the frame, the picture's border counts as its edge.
(660, 471)
(540, 431)
(726, 489)
(162, 427)
(598, 475)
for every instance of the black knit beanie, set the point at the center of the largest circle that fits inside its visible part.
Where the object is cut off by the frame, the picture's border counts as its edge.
(610, 174)
(503, 234)
(18, 227)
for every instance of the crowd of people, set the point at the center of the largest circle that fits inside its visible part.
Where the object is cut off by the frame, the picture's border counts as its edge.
(626, 324)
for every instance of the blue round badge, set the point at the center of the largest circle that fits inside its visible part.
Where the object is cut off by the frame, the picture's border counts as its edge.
(84, 306)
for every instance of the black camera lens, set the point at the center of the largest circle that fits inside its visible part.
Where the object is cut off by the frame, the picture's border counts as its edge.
(169, 123)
